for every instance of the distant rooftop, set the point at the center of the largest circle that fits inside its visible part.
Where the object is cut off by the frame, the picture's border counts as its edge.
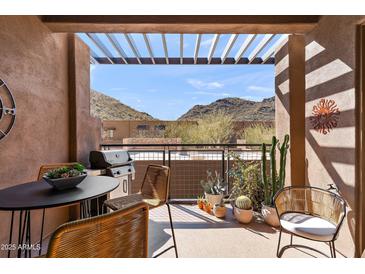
(160, 48)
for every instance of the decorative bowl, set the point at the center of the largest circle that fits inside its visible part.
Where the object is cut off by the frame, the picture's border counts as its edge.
(65, 183)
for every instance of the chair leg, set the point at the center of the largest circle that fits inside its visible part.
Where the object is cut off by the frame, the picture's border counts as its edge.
(172, 230)
(330, 244)
(291, 239)
(278, 248)
(333, 249)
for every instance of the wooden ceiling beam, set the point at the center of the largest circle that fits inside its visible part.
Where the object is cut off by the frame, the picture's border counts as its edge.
(181, 23)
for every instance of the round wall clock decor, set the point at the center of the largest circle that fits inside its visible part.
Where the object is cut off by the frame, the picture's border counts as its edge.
(7, 110)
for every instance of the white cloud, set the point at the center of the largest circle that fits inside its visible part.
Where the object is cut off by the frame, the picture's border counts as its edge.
(198, 84)
(260, 88)
(206, 42)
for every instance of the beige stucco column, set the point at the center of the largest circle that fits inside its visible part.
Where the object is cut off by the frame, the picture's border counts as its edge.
(290, 104)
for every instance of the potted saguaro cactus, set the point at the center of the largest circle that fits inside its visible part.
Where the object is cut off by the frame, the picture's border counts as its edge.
(243, 209)
(276, 180)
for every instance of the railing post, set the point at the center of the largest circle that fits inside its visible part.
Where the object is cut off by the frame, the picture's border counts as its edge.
(169, 158)
(164, 156)
(223, 171)
(227, 175)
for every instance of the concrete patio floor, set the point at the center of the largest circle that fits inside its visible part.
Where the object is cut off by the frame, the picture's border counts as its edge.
(200, 235)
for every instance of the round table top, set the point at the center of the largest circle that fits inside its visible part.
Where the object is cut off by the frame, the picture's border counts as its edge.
(39, 194)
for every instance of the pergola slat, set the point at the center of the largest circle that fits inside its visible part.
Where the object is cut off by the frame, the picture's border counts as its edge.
(228, 47)
(267, 38)
(181, 48)
(133, 46)
(257, 55)
(248, 41)
(272, 49)
(149, 48)
(197, 47)
(93, 57)
(165, 47)
(99, 44)
(213, 47)
(186, 61)
(116, 46)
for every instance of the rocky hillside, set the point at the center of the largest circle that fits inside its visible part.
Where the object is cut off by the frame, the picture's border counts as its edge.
(109, 108)
(240, 109)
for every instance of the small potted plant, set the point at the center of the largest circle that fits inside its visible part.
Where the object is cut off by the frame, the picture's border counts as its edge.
(220, 210)
(243, 209)
(214, 188)
(200, 202)
(65, 177)
(275, 182)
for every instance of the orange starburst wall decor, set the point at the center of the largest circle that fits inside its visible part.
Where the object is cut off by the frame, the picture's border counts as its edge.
(325, 116)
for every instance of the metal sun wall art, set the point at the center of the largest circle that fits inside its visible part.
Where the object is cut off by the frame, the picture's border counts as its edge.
(7, 110)
(325, 116)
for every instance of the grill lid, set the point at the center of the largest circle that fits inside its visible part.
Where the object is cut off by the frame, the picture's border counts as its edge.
(109, 158)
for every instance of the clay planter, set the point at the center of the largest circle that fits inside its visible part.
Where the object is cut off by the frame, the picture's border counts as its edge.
(270, 215)
(213, 199)
(219, 211)
(200, 204)
(243, 215)
(207, 208)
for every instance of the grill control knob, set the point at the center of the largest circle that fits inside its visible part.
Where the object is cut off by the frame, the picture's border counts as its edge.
(129, 170)
(118, 172)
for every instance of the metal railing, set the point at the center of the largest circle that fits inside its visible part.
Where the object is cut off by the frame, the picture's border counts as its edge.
(188, 162)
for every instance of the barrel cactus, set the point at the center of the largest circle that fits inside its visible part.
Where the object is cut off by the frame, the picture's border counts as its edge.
(243, 202)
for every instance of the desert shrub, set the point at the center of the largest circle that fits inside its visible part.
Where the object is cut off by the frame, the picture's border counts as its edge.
(246, 180)
(213, 128)
(258, 134)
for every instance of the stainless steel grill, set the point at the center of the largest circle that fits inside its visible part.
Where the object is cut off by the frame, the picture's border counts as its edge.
(115, 163)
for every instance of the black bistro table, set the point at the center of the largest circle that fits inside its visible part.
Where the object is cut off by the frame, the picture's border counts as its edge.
(40, 195)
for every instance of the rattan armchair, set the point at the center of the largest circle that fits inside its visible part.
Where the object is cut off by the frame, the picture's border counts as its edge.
(154, 191)
(311, 213)
(43, 170)
(120, 234)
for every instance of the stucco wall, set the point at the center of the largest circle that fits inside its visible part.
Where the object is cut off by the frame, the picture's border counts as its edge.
(35, 66)
(330, 74)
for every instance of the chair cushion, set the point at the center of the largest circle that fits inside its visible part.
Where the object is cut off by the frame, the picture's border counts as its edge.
(121, 202)
(308, 226)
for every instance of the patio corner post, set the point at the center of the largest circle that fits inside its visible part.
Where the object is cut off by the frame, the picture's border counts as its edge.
(290, 104)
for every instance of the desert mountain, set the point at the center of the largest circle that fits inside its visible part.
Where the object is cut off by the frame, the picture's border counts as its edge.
(109, 108)
(240, 109)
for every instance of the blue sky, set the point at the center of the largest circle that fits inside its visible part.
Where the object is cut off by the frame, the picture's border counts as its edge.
(168, 91)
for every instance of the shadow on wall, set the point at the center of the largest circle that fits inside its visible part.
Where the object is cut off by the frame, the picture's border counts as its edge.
(330, 158)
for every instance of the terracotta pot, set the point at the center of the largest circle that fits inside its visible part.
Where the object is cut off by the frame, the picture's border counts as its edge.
(243, 215)
(200, 204)
(270, 215)
(213, 199)
(219, 211)
(207, 208)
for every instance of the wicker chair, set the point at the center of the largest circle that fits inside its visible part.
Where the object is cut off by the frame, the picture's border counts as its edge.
(120, 234)
(154, 191)
(311, 213)
(43, 170)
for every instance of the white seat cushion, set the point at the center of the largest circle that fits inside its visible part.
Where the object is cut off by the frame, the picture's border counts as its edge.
(311, 227)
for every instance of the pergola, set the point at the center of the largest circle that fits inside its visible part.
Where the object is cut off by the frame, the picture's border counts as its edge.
(254, 49)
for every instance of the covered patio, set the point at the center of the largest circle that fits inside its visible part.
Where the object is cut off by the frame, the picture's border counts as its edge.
(315, 75)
